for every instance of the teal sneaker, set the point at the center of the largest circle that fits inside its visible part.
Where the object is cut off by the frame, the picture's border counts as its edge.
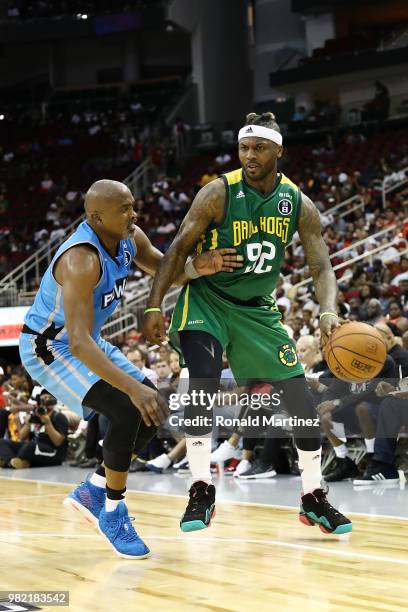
(316, 510)
(201, 507)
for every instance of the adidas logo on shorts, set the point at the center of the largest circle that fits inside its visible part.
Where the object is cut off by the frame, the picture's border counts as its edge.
(240, 194)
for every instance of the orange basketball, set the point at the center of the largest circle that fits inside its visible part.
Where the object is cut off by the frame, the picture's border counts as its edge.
(355, 352)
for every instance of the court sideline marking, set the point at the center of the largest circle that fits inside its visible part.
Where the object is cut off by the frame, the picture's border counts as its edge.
(222, 501)
(215, 540)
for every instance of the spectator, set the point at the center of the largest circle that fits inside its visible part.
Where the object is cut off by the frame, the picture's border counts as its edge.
(163, 371)
(310, 356)
(43, 438)
(403, 274)
(350, 406)
(392, 415)
(296, 323)
(300, 114)
(394, 349)
(47, 183)
(373, 312)
(395, 315)
(139, 358)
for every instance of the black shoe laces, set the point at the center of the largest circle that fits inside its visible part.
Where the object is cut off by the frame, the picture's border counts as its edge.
(196, 496)
(320, 495)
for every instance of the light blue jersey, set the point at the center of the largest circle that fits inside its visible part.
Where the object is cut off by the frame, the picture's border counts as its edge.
(46, 316)
(44, 346)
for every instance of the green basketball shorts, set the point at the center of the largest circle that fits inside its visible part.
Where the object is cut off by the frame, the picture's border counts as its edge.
(256, 342)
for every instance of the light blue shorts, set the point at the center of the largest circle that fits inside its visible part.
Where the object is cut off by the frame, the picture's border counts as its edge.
(51, 365)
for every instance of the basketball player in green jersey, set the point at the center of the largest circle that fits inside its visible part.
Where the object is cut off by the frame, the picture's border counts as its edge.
(255, 209)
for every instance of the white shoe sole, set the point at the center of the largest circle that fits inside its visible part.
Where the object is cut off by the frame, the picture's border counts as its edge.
(123, 555)
(69, 502)
(386, 481)
(271, 474)
(238, 475)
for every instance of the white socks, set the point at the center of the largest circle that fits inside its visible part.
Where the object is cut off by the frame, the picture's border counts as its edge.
(98, 481)
(369, 442)
(112, 504)
(198, 453)
(341, 451)
(310, 467)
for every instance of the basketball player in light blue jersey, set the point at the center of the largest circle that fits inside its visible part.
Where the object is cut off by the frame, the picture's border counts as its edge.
(62, 349)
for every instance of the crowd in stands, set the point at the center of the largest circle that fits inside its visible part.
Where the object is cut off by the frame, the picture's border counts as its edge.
(46, 166)
(49, 157)
(326, 115)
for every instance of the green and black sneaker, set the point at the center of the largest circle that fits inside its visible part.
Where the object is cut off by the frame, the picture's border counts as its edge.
(201, 507)
(316, 510)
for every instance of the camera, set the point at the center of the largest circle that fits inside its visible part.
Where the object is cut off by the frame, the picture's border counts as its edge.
(42, 406)
(36, 413)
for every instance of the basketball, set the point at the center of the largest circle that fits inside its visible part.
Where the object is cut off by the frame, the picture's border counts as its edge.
(355, 352)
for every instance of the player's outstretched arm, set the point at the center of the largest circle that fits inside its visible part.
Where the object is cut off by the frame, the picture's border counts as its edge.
(208, 207)
(318, 260)
(78, 272)
(148, 259)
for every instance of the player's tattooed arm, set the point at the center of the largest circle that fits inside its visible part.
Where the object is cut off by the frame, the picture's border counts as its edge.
(148, 259)
(318, 260)
(207, 208)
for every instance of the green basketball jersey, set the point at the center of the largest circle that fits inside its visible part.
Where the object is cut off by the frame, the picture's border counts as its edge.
(260, 228)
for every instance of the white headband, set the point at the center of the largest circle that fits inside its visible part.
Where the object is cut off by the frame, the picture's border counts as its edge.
(260, 131)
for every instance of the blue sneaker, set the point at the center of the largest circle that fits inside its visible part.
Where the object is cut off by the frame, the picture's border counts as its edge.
(88, 499)
(117, 528)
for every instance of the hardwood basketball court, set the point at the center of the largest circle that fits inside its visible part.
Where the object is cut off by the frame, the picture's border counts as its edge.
(253, 557)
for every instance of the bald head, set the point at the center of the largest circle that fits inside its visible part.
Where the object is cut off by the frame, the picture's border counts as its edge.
(105, 193)
(109, 210)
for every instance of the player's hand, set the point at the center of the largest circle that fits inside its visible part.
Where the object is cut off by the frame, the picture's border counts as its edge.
(328, 324)
(153, 327)
(218, 260)
(150, 404)
(383, 388)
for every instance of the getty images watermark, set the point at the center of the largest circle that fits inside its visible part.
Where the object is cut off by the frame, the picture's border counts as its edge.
(223, 400)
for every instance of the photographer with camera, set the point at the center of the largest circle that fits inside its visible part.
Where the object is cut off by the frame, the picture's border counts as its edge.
(15, 396)
(43, 437)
